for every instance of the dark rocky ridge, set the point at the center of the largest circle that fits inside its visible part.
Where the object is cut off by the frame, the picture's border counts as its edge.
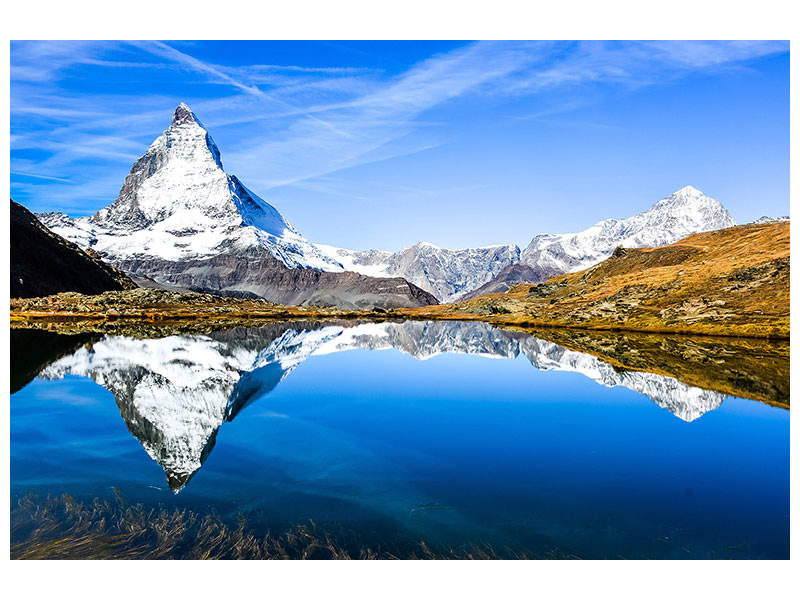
(43, 263)
(258, 274)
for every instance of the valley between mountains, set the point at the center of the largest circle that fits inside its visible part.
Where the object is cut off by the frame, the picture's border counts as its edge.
(185, 240)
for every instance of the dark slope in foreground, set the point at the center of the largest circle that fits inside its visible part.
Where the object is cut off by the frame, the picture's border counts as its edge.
(43, 263)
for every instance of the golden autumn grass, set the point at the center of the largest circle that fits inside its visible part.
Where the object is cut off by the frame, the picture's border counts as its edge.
(730, 282)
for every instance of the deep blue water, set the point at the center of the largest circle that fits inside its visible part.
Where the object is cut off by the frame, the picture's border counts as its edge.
(456, 448)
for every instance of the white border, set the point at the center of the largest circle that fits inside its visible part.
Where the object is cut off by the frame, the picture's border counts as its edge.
(412, 19)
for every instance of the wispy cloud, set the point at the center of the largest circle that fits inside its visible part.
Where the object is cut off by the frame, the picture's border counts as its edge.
(35, 176)
(634, 64)
(283, 125)
(191, 63)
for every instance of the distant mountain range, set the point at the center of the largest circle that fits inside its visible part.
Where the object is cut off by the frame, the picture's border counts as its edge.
(181, 220)
(765, 219)
(447, 274)
(462, 274)
(680, 214)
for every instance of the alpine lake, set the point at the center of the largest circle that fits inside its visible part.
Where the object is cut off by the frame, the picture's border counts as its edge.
(413, 439)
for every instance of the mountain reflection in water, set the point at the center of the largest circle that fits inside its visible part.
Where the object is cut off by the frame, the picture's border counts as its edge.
(175, 392)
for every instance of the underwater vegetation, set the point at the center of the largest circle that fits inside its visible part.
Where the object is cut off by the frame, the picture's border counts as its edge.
(65, 528)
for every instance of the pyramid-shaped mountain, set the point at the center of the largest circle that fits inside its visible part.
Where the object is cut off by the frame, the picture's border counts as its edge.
(181, 220)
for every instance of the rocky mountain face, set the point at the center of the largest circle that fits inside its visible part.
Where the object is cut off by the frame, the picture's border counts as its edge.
(445, 273)
(255, 274)
(175, 392)
(180, 219)
(44, 263)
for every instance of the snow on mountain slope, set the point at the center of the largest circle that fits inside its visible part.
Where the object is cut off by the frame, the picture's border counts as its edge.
(443, 272)
(680, 214)
(766, 220)
(178, 204)
(373, 263)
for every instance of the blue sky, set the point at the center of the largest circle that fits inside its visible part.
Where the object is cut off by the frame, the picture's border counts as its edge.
(383, 144)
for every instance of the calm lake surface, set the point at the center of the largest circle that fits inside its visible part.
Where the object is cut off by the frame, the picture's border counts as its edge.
(457, 435)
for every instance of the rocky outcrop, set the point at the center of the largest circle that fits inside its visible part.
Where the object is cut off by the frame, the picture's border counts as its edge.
(510, 275)
(44, 263)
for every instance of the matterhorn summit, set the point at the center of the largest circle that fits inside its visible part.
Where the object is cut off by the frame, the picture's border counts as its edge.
(181, 220)
(177, 203)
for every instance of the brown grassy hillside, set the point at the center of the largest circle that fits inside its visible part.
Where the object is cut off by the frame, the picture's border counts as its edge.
(733, 281)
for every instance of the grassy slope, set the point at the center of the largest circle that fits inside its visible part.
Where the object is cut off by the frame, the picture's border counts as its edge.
(733, 281)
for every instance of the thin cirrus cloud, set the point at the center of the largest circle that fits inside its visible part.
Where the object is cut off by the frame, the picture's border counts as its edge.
(288, 124)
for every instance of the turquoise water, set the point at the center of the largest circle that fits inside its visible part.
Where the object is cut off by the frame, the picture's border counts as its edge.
(447, 433)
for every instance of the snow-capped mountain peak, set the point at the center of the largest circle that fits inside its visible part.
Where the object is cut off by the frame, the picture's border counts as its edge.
(178, 203)
(690, 203)
(680, 214)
